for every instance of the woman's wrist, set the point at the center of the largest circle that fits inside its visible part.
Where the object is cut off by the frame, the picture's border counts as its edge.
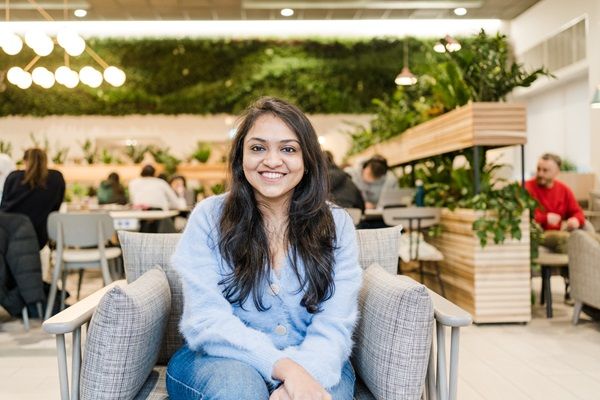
(282, 368)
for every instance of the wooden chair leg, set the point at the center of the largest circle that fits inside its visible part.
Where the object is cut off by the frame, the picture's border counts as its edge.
(79, 283)
(546, 275)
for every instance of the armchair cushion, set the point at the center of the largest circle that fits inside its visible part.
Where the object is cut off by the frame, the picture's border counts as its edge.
(393, 336)
(379, 246)
(124, 337)
(143, 251)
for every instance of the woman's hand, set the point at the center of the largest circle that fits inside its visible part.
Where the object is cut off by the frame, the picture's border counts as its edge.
(279, 394)
(298, 384)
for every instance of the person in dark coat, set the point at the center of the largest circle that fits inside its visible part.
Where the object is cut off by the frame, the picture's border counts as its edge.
(34, 192)
(343, 191)
(20, 264)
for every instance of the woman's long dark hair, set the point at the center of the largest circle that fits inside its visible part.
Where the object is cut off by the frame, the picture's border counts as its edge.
(36, 168)
(311, 230)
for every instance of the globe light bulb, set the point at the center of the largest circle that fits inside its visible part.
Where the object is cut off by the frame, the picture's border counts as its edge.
(114, 76)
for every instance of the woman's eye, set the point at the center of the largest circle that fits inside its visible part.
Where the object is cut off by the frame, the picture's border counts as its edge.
(289, 150)
(256, 148)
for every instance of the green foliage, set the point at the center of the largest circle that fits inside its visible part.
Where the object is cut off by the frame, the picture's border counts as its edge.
(164, 157)
(106, 157)
(136, 153)
(218, 188)
(481, 71)
(36, 143)
(209, 76)
(568, 166)
(502, 203)
(6, 148)
(202, 152)
(61, 155)
(90, 153)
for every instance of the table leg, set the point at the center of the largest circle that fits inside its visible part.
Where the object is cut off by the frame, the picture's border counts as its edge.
(546, 273)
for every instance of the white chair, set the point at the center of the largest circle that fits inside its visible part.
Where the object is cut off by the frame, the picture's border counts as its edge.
(80, 244)
(396, 197)
(413, 246)
(355, 214)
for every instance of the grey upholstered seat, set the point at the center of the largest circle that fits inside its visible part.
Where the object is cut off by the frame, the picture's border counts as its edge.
(392, 341)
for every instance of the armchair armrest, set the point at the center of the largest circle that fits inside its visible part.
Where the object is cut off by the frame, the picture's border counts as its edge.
(78, 314)
(448, 313)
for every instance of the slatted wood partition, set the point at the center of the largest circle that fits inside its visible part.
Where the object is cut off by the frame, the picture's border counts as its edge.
(492, 283)
(475, 124)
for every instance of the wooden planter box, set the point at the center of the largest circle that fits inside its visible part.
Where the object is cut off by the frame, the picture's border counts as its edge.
(475, 124)
(492, 283)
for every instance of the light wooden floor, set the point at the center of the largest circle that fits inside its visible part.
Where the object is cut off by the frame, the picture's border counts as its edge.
(545, 359)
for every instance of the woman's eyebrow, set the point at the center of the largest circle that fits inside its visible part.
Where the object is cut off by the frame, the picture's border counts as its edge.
(258, 139)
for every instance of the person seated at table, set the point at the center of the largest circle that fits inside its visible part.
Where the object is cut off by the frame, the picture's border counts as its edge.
(111, 191)
(35, 192)
(179, 186)
(558, 211)
(372, 178)
(342, 190)
(149, 192)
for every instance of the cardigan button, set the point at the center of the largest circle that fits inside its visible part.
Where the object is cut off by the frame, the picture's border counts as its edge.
(280, 330)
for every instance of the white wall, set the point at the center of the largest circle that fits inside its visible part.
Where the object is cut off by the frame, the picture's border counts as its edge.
(180, 132)
(559, 116)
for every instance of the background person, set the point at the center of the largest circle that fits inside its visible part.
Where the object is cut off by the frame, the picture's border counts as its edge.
(35, 192)
(270, 273)
(558, 211)
(149, 192)
(111, 191)
(343, 191)
(179, 186)
(372, 179)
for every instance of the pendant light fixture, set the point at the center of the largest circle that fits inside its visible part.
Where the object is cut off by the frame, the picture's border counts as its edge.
(405, 77)
(72, 44)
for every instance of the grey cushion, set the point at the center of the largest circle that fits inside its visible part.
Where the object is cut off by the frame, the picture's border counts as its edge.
(124, 338)
(142, 251)
(393, 337)
(379, 246)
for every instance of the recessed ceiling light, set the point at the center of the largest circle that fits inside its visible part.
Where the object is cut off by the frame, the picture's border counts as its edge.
(460, 11)
(287, 12)
(80, 13)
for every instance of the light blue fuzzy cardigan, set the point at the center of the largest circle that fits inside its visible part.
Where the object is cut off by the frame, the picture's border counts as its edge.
(320, 342)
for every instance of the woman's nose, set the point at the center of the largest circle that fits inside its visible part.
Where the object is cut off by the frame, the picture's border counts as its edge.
(272, 159)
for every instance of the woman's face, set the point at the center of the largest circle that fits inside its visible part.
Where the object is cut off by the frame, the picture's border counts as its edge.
(272, 159)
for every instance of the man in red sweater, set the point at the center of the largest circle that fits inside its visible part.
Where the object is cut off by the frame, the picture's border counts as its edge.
(556, 201)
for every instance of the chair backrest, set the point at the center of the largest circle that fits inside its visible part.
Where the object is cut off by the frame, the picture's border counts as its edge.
(355, 214)
(396, 197)
(80, 228)
(411, 218)
(143, 251)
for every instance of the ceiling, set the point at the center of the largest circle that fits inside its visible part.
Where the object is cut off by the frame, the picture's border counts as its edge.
(24, 10)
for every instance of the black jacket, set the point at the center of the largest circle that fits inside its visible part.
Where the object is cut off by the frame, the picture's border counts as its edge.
(20, 264)
(36, 203)
(343, 191)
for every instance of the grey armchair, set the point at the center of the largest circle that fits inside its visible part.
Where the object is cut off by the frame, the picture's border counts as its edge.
(584, 271)
(397, 355)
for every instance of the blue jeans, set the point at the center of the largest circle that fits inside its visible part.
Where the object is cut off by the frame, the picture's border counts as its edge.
(194, 376)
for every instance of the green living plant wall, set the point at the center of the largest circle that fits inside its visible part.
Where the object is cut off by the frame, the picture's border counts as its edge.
(204, 76)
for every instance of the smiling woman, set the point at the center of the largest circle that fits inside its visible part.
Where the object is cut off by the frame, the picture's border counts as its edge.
(270, 273)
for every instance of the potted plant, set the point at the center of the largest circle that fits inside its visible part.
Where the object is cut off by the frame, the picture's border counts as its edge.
(202, 152)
